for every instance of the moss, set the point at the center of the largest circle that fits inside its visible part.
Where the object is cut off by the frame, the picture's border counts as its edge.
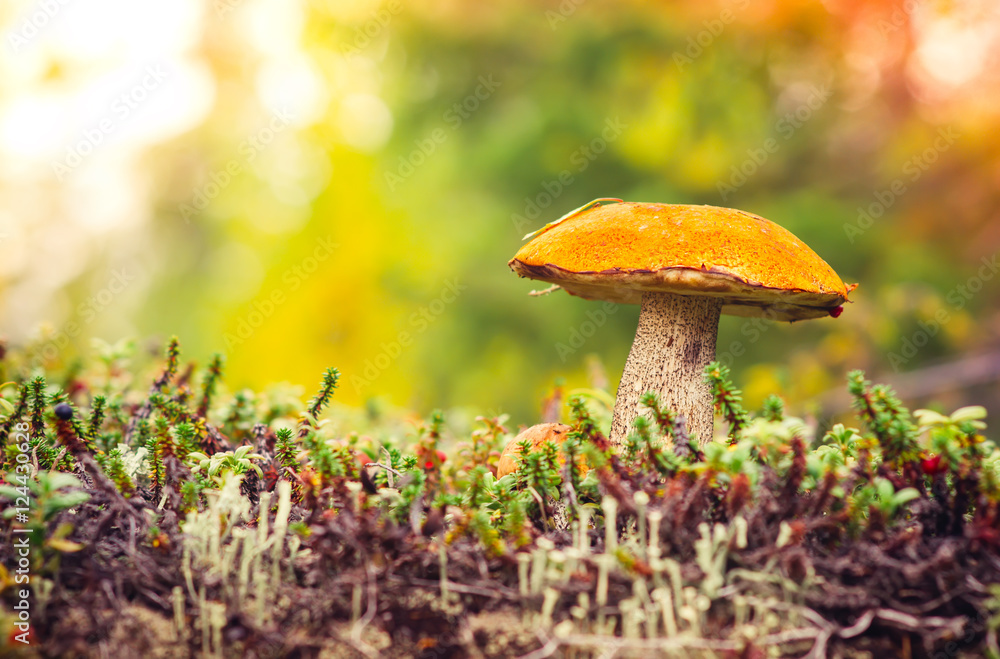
(185, 539)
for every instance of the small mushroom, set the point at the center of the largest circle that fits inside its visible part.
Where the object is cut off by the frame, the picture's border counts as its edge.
(685, 265)
(537, 435)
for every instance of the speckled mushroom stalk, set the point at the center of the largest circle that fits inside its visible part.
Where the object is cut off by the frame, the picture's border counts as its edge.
(674, 342)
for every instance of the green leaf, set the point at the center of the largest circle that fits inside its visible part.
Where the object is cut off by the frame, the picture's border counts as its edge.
(905, 496)
(714, 453)
(969, 413)
(62, 531)
(884, 490)
(930, 418)
(9, 492)
(57, 480)
(590, 481)
(65, 546)
(68, 500)
(829, 456)
(507, 481)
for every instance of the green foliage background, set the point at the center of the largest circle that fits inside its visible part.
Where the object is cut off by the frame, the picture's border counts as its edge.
(698, 89)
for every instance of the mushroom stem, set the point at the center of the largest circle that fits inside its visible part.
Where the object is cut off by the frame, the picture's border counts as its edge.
(674, 342)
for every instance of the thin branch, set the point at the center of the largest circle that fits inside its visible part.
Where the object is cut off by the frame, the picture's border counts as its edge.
(553, 287)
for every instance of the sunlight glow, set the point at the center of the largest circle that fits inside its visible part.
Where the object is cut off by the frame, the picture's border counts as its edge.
(955, 46)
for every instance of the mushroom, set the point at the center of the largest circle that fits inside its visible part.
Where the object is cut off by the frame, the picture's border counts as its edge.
(537, 435)
(685, 265)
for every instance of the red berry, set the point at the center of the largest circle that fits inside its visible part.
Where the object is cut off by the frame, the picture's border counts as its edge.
(836, 311)
(933, 465)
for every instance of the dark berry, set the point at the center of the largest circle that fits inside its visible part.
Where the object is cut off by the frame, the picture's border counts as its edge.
(64, 411)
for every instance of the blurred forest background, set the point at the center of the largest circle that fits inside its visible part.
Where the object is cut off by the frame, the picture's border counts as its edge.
(303, 184)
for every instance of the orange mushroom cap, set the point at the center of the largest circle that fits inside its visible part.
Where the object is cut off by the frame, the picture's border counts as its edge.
(537, 435)
(615, 251)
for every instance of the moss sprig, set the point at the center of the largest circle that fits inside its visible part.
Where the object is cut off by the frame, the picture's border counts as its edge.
(96, 419)
(39, 401)
(114, 466)
(286, 451)
(672, 426)
(20, 409)
(887, 418)
(728, 399)
(774, 408)
(210, 384)
(330, 379)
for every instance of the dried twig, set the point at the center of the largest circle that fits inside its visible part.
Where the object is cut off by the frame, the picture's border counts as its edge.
(550, 289)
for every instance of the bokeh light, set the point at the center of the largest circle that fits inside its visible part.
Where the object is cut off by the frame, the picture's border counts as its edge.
(300, 184)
